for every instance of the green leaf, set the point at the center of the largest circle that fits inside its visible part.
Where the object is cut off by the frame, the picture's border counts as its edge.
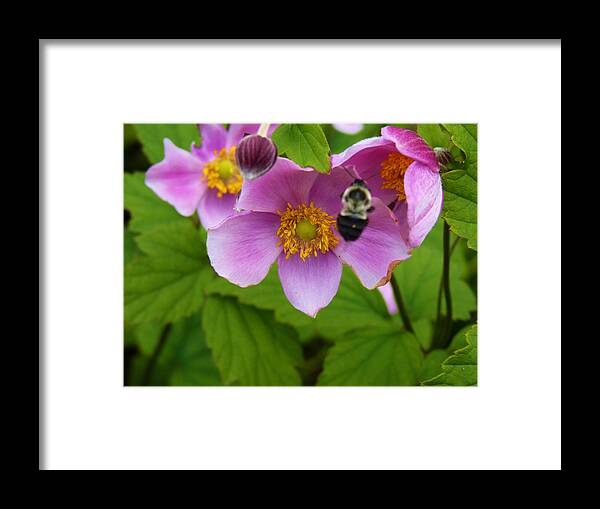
(249, 346)
(460, 369)
(130, 248)
(152, 138)
(266, 295)
(147, 209)
(459, 340)
(376, 356)
(305, 144)
(434, 135)
(353, 307)
(129, 135)
(419, 280)
(423, 330)
(432, 364)
(129, 337)
(460, 186)
(186, 358)
(168, 283)
(146, 336)
(183, 360)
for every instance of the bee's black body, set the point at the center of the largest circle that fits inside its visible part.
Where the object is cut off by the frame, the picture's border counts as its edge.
(351, 227)
(356, 203)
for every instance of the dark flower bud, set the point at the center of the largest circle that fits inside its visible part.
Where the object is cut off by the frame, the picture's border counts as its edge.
(443, 155)
(255, 155)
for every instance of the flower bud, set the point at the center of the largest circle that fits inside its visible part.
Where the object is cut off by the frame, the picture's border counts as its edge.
(442, 155)
(255, 155)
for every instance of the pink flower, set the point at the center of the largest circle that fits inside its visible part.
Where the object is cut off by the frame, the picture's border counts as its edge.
(401, 170)
(206, 179)
(288, 215)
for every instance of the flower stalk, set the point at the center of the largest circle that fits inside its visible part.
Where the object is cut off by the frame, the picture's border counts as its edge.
(263, 130)
(446, 281)
(443, 326)
(400, 303)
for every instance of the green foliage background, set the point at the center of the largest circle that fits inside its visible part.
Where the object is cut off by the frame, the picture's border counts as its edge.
(186, 326)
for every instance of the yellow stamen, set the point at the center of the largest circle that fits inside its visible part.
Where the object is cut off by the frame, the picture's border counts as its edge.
(392, 172)
(222, 173)
(306, 230)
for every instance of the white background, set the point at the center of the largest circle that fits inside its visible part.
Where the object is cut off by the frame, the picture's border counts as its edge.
(511, 421)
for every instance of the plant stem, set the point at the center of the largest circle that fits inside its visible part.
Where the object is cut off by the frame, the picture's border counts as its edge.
(400, 303)
(263, 130)
(446, 282)
(438, 317)
(441, 330)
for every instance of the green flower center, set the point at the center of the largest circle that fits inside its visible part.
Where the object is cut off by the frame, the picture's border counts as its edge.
(225, 169)
(305, 230)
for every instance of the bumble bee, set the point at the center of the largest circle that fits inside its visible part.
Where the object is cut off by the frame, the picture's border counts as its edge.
(356, 204)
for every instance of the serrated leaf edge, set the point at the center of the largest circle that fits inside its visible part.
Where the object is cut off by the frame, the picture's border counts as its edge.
(456, 353)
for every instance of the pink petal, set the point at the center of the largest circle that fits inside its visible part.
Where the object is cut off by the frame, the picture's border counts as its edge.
(388, 297)
(203, 155)
(360, 146)
(212, 210)
(401, 211)
(349, 128)
(237, 131)
(285, 183)
(177, 179)
(311, 284)
(424, 198)
(378, 250)
(244, 246)
(214, 137)
(327, 189)
(412, 145)
(366, 157)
